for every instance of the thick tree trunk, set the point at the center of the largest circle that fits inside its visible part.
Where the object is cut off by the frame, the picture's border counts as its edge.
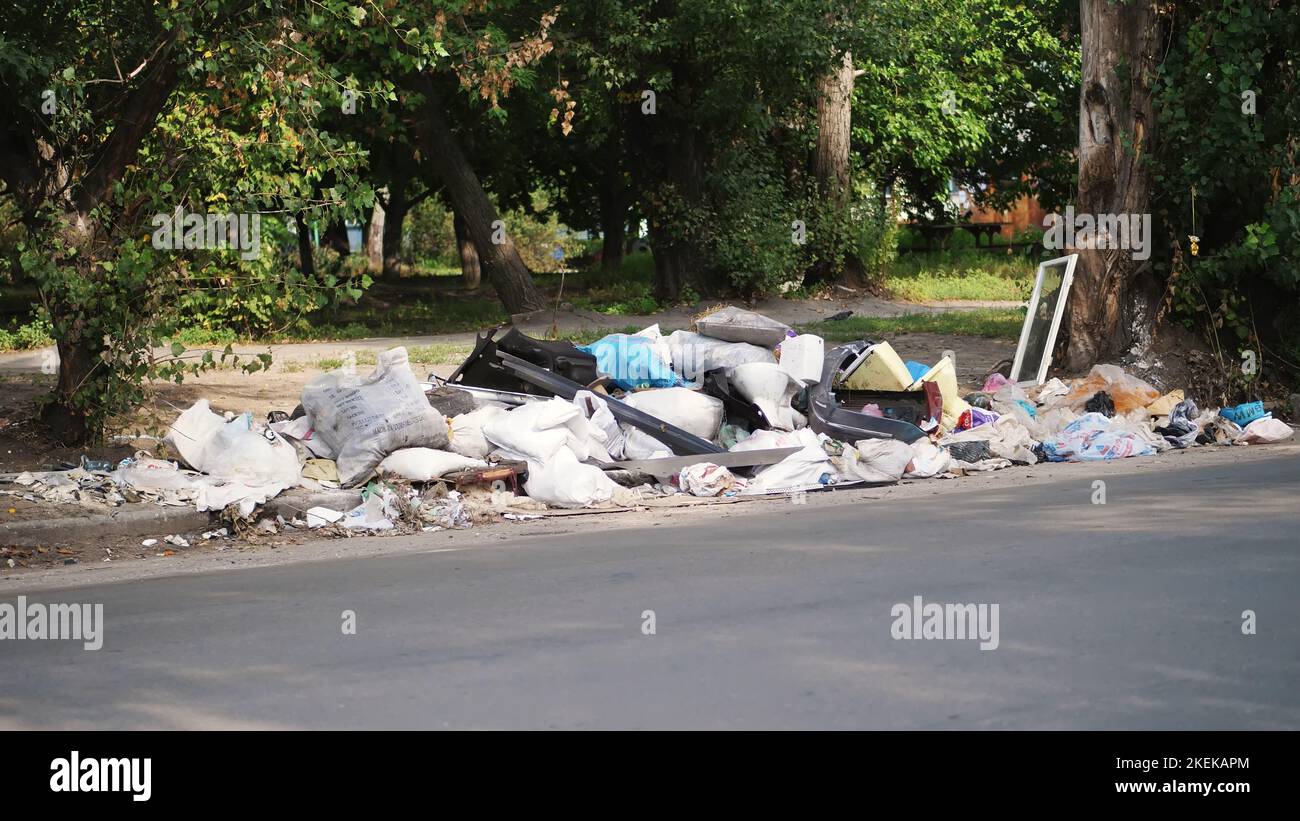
(67, 418)
(394, 219)
(834, 122)
(375, 239)
(470, 271)
(613, 221)
(1111, 303)
(306, 257)
(499, 259)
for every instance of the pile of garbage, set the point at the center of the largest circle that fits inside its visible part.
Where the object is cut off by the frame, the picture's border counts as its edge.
(740, 406)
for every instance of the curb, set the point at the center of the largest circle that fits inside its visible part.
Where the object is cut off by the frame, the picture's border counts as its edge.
(154, 521)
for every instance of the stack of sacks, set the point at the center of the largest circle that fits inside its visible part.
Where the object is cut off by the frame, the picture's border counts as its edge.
(554, 438)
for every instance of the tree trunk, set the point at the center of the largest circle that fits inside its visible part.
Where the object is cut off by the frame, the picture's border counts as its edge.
(336, 238)
(613, 221)
(678, 257)
(306, 258)
(394, 219)
(375, 239)
(633, 231)
(499, 259)
(67, 418)
(470, 272)
(834, 122)
(1112, 300)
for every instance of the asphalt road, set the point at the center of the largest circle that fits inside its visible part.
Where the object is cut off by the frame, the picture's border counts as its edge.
(1123, 615)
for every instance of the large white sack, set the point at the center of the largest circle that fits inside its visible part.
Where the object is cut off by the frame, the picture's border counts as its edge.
(693, 354)
(426, 464)
(637, 444)
(190, 433)
(692, 411)
(538, 430)
(365, 418)
(874, 460)
(240, 452)
(562, 481)
(237, 450)
(465, 434)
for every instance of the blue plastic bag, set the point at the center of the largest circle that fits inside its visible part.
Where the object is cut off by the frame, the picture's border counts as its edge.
(1244, 413)
(631, 362)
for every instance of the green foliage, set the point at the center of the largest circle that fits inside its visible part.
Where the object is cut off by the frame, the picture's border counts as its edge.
(1224, 57)
(34, 334)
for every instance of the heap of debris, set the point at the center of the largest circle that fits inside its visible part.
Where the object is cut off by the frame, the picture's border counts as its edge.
(741, 406)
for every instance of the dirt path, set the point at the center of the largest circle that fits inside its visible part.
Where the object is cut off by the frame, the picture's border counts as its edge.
(789, 311)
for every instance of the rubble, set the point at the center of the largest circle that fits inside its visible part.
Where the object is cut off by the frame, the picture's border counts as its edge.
(528, 427)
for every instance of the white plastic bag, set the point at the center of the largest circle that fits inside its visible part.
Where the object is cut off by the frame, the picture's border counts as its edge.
(365, 418)
(707, 479)
(1265, 431)
(928, 460)
(238, 450)
(806, 468)
(426, 464)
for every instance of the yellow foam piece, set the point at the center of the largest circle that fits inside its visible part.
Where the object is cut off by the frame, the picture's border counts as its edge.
(882, 371)
(1165, 404)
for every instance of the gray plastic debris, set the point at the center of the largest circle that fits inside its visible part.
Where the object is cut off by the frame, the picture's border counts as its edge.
(738, 325)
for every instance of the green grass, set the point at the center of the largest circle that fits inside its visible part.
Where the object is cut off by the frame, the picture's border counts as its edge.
(993, 323)
(971, 275)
